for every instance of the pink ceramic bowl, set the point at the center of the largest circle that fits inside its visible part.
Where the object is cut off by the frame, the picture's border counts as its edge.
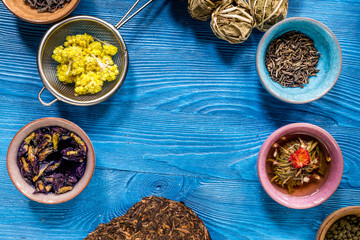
(26, 188)
(312, 194)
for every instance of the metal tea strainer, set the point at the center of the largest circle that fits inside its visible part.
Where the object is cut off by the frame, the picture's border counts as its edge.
(97, 28)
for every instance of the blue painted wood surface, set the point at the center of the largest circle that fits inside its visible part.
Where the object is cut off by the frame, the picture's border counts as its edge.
(187, 124)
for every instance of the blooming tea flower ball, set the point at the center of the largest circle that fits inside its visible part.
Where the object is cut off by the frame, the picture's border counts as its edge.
(232, 21)
(266, 13)
(202, 9)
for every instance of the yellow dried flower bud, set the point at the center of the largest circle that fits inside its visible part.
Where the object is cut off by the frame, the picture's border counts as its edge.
(110, 49)
(86, 63)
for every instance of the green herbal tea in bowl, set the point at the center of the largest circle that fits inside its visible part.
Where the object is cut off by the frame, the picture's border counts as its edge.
(297, 161)
(347, 227)
(291, 59)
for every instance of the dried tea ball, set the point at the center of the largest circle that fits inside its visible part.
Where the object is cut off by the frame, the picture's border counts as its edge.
(268, 12)
(202, 9)
(232, 21)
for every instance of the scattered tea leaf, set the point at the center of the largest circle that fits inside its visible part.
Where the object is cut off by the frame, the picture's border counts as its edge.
(154, 218)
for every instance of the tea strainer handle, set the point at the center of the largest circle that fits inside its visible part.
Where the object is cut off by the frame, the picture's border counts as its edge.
(44, 103)
(124, 19)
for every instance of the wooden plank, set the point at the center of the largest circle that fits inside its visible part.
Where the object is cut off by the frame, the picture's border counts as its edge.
(231, 209)
(187, 124)
(148, 142)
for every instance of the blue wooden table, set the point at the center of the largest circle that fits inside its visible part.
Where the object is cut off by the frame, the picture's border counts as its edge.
(187, 124)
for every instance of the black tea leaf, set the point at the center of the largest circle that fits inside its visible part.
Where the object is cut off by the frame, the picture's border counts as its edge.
(46, 5)
(291, 59)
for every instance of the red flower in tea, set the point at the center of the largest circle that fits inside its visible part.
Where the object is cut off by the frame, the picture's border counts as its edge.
(300, 158)
(297, 162)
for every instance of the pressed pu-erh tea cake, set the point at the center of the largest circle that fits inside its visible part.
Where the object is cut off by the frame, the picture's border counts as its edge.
(154, 218)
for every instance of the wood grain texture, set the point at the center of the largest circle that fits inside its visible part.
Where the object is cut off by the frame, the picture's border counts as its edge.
(187, 124)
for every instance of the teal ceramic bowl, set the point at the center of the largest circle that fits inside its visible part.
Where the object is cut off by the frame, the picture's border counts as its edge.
(329, 63)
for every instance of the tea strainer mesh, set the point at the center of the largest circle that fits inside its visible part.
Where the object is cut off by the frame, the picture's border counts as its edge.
(56, 36)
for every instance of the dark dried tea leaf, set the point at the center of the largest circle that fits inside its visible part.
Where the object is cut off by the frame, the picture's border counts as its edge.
(46, 5)
(154, 218)
(52, 159)
(291, 59)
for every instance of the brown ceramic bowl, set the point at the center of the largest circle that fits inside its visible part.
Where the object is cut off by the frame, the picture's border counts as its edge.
(24, 187)
(23, 11)
(342, 212)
